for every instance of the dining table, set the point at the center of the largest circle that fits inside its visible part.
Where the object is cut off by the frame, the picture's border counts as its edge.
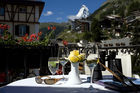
(29, 85)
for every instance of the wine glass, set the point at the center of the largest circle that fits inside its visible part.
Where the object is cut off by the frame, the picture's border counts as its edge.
(91, 64)
(53, 64)
(63, 54)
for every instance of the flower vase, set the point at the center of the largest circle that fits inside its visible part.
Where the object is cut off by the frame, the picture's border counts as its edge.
(73, 77)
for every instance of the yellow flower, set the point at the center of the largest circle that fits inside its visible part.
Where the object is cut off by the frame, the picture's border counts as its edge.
(74, 52)
(81, 57)
(75, 56)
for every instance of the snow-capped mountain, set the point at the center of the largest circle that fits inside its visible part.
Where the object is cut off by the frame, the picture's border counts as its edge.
(83, 13)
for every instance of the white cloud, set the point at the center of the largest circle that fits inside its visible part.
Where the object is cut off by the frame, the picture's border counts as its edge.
(72, 17)
(48, 13)
(59, 18)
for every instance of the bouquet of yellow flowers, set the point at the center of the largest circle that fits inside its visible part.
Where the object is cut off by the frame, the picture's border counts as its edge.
(75, 56)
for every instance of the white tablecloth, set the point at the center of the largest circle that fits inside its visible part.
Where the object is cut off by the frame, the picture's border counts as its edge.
(29, 85)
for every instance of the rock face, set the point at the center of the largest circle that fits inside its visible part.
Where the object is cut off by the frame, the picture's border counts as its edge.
(83, 13)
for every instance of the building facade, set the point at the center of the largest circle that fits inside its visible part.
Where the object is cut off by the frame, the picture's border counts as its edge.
(21, 15)
(80, 25)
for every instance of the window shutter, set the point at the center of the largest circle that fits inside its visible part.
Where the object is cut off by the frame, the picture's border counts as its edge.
(17, 30)
(27, 30)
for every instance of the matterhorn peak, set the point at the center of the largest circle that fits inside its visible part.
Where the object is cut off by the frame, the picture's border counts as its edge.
(83, 13)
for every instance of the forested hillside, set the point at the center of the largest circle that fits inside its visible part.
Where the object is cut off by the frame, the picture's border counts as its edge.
(121, 7)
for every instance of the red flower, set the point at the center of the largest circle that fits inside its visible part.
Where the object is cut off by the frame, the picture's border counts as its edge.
(33, 36)
(39, 33)
(24, 38)
(38, 38)
(54, 28)
(26, 35)
(2, 27)
(5, 26)
(30, 40)
(49, 28)
(65, 42)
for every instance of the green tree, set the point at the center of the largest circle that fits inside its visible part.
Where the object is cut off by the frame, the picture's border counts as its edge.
(136, 33)
(97, 35)
(87, 36)
(136, 41)
(134, 6)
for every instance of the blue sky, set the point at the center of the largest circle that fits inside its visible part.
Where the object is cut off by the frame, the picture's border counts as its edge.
(60, 10)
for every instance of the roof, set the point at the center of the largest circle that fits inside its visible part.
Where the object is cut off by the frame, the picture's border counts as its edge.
(85, 21)
(113, 16)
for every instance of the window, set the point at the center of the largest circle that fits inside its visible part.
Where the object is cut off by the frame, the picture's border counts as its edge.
(21, 30)
(1, 11)
(22, 9)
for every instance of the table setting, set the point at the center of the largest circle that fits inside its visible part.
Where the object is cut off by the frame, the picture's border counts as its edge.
(74, 82)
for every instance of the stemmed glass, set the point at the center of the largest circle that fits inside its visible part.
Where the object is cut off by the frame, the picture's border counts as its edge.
(63, 53)
(53, 64)
(91, 64)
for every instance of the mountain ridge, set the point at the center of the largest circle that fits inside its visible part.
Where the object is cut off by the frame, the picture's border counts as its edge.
(83, 13)
(119, 7)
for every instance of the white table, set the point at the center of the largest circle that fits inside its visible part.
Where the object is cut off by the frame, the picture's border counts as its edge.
(29, 85)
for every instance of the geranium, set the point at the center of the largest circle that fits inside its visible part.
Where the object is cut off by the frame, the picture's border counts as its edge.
(32, 37)
(25, 38)
(49, 28)
(75, 56)
(53, 27)
(65, 42)
(38, 38)
(5, 35)
(39, 33)
(4, 26)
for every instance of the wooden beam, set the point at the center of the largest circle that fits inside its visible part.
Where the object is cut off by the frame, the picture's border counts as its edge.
(26, 14)
(30, 13)
(34, 13)
(13, 36)
(12, 10)
(15, 12)
(4, 12)
(8, 13)
(20, 22)
(18, 12)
